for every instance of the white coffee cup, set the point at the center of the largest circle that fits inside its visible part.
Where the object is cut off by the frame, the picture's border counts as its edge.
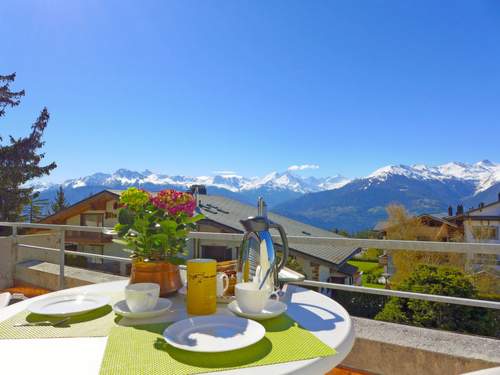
(222, 283)
(142, 297)
(250, 298)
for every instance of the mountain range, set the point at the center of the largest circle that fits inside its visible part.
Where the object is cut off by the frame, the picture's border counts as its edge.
(328, 202)
(275, 187)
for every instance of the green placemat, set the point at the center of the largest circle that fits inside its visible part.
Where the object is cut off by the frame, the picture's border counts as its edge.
(142, 350)
(96, 323)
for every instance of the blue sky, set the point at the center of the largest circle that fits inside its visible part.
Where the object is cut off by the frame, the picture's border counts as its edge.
(191, 87)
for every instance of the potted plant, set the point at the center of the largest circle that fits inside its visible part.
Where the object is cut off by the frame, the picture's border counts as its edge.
(154, 228)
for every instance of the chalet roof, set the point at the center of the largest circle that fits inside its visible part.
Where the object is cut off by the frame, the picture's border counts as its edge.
(90, 203)
(439, 219)
(383, 225)
(229, 212)
(483, 207)
(483, 217)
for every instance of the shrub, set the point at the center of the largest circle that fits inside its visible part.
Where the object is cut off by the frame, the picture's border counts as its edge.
(447, 282)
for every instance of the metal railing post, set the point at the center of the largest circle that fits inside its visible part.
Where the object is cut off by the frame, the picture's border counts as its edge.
(14, 250)
(62, 248)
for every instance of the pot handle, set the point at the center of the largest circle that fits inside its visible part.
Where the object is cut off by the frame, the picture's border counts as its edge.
(284, 241)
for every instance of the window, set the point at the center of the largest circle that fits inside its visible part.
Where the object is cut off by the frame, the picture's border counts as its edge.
(485, 232)
(219, 253)
(92, 220)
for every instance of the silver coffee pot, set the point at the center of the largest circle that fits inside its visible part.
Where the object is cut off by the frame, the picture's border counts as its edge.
(257, 258)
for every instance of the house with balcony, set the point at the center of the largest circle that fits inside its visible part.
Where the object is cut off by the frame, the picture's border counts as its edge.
(481, 225)
(222, 215)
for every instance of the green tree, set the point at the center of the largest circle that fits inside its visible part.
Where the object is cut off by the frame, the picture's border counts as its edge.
(60, 202)
(34, 210)
(20, 158)
(444, 281)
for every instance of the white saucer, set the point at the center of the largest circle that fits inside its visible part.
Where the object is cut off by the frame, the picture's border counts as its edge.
(272, 309)
(121, 308)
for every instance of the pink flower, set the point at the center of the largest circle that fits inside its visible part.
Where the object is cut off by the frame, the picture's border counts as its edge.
(174, 202)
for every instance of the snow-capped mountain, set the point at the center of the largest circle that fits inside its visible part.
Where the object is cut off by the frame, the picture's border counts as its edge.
(123, 178)
(360, 203)
(483, 174)
(276, 187)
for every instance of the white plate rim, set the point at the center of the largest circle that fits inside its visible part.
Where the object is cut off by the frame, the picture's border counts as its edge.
(36, 307)
(234, 308)
(254, 327)
(143, 314)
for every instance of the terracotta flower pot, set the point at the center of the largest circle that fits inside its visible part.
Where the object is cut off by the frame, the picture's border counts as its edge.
(160, 272)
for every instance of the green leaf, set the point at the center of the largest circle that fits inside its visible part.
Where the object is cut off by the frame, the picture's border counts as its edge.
(120, 242)
(168, 225)
(175, 260)
(198, 217)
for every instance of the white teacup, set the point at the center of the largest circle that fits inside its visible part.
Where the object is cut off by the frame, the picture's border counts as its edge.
(142, 297)
(250, 298)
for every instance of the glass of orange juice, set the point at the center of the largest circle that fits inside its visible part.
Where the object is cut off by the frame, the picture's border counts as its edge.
(201, 286)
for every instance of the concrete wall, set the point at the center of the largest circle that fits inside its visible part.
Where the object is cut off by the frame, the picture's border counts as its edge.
(395, 349)
(9, 258)
(6, 263)
(46, 275)
(50, 240)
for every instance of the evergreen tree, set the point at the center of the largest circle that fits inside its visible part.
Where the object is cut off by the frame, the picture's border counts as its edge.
(59, 202)
(8, 98)
(34, 210)
(20, 158)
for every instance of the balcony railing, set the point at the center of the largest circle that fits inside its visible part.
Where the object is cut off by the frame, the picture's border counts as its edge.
(235, 239)
(91, 238)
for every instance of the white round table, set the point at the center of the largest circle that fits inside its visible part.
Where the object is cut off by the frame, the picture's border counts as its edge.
(322, 316)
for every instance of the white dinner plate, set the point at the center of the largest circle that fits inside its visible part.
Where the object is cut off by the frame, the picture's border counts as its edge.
(220, 299)
(214, 333)
(162, 306)
(68, 304)
(272, 309)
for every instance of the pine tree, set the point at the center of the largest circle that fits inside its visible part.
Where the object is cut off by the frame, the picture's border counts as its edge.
(59, 202)
(7, 97)
(35, 209)
(19, 158)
